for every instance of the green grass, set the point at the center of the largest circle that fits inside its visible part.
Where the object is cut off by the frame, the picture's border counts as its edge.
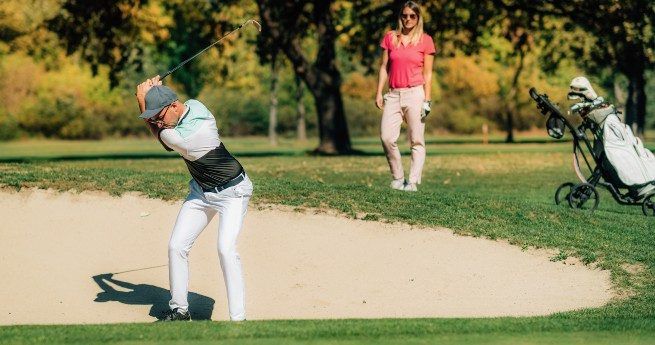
(538, 330)
(497, 191)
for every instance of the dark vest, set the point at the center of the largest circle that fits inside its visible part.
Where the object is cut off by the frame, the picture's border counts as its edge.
(215, 168)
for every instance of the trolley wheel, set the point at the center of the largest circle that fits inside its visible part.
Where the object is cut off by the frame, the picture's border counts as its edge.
(583, 196)
(648, 205)
(563, 192)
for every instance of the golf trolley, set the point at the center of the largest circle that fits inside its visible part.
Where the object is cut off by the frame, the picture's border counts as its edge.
(584, 195)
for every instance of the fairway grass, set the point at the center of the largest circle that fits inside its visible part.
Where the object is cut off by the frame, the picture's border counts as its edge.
(496, 191)
(537, 330)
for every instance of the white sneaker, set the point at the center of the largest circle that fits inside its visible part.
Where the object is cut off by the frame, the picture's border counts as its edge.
(398, 184)
(410, 187)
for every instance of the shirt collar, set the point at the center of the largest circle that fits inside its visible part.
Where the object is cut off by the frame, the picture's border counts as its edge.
(186, 112)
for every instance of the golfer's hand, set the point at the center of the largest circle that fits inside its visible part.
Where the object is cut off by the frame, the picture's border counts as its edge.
(143, 88)
(379, 101)
(425, 109)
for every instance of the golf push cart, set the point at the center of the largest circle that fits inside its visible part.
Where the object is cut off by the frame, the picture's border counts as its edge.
(616, 159)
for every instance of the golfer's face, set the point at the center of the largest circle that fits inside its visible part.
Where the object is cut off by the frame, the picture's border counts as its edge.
(162, 120)
(409, 18)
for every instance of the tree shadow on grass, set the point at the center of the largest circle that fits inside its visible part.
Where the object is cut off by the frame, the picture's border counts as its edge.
(200, 306)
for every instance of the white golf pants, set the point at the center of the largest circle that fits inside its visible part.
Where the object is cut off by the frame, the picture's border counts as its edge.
(196, 212)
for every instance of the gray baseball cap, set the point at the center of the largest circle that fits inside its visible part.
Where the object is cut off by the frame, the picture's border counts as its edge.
(158, 97)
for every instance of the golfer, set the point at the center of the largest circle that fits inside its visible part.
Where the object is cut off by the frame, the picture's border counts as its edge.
(218, 185)
(407, 64)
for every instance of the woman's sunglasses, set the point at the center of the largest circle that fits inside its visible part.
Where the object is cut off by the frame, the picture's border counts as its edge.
(408, 16)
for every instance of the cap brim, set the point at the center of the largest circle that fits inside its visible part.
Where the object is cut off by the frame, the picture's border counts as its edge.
(150, 113)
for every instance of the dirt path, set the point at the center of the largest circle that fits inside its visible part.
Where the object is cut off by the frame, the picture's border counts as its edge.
(297, 266)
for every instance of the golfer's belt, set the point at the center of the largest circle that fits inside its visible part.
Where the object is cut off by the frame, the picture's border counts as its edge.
(233, 182)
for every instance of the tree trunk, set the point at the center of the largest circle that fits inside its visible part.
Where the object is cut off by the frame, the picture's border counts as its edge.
(509, 127)
(619, 95)
(513, 99)
(322, 77)
(333, 130)
(272, 112)
(636, 104)
(301, 129)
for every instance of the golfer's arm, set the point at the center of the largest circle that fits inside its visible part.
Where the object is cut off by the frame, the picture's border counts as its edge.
(427, 75)
(153, 129)
(157, 133)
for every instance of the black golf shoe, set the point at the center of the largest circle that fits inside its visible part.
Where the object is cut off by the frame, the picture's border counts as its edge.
(176, 314)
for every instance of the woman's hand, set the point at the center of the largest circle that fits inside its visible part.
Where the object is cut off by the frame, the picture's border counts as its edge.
(425, 109)
(379, 101)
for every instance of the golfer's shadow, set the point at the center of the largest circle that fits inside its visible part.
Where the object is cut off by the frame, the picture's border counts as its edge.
(200, 306)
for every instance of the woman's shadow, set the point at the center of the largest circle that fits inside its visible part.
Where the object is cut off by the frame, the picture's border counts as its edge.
(200, 306)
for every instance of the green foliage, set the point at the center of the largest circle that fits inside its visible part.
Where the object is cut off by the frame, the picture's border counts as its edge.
(109, 33)
(363, 116)
(46, 93)
(238, 115)
(8, 127)
(66, 103)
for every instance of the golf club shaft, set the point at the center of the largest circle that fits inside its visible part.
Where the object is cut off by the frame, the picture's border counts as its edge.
(140, 269)
(254, 22)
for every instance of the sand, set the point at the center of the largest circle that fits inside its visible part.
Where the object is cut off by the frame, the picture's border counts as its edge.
(298, 265)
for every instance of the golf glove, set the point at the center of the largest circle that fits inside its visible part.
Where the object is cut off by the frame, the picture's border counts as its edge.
(425, 109)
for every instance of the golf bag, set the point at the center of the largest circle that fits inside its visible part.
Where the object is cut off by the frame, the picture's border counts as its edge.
(628, 163)
(616, 158)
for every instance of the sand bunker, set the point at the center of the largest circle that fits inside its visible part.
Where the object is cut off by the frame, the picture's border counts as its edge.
(57, 246)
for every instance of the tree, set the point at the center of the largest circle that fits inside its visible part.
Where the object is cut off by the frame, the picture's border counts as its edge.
(126, 34)
(517, 28)
(286, 24)
(301, 126)
(272, 113)
(111, 33)
(22, 29)
(626, 37)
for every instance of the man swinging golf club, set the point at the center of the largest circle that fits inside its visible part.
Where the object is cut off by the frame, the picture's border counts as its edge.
(218, 185)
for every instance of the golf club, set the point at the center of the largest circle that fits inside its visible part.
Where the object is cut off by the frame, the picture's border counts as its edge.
(140, 269)
(249, 21)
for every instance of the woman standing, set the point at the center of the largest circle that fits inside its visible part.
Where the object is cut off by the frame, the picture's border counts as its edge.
(407, 63)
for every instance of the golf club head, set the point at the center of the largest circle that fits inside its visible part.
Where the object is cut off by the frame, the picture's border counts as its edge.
(256, 24)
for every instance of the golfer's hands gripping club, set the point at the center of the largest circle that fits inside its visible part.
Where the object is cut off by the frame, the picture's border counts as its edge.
(143, 88)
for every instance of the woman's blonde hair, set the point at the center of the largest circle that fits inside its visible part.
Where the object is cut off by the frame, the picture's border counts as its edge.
(417, 32)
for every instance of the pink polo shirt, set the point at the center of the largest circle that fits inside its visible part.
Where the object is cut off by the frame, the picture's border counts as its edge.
(406, 62)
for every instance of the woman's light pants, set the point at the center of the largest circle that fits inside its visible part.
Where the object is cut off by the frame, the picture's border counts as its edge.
(404, 104)
(196, 212)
